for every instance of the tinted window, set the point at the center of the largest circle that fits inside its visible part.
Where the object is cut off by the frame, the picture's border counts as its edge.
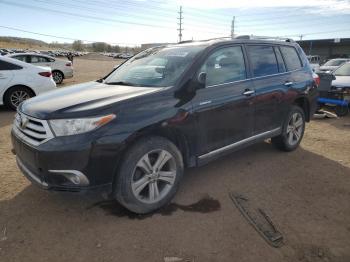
(224, 66)
(281, 66)
(291, 58)
(263, 60)
(20, 58)
(8, 66)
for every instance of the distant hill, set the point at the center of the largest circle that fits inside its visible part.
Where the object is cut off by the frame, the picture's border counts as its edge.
(28, 41)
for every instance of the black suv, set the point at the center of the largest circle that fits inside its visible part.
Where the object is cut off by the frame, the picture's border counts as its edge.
(133, 132)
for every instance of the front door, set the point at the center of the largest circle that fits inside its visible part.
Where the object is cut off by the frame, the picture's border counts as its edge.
(224, 108)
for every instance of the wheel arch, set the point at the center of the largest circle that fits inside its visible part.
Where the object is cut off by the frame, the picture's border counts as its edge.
(59, 71)
(15, 86)
(304, 104)
(174, 135)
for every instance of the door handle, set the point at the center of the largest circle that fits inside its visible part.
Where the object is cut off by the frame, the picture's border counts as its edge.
(289, 83)
(205, 103)
(248, 92)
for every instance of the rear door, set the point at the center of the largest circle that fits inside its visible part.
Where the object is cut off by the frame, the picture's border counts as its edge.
(271, 86)
(224, 110)
(7, 71)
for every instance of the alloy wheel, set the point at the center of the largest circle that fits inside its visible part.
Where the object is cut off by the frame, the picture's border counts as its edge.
(57, 77)
(18, 97)
(295, 128)
(154, 176)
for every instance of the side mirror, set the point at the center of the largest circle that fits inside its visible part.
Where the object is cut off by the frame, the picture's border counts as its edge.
(202, 78)
(333, 77)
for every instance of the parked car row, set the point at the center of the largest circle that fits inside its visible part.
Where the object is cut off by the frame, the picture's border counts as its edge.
(53, 53)
(119, 55)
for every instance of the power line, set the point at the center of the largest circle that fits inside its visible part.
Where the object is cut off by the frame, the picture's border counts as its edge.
(61, 37)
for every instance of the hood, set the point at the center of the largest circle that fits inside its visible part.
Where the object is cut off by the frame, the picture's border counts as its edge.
(77, 99)
(341, 81)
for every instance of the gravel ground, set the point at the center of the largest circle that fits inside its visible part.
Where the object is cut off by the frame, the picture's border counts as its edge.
(306, 193)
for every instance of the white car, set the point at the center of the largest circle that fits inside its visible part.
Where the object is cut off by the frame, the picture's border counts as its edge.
(20, 81)
(61, 69)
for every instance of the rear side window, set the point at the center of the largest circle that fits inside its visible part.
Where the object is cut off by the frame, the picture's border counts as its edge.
(224, 66)
(8, 66)
(39, 59)
(291, 58)
(281, 66)
(20, 58)
(263, 60)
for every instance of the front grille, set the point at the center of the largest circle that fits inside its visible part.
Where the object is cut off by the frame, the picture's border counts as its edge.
(31, 130)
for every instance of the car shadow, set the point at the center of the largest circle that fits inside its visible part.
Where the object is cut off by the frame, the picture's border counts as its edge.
(306, 195)
(6, 116)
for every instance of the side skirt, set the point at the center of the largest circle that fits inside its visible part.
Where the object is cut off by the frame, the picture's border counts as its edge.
(203, 159)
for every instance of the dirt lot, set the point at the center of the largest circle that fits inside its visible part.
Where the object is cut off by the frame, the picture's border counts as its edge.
(306, 193)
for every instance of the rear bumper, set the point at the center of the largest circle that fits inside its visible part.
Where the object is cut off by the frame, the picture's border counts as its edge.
(68, 74)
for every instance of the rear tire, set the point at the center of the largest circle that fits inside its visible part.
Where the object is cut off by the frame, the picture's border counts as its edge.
(149, 175)
(293, 130)
(57, 77)
(16, 95)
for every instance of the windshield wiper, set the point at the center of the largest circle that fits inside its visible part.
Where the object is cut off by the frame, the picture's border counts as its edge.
(122, 83)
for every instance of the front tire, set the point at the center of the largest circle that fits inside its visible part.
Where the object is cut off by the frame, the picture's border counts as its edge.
(16, 95)
(149, 176)
(293, 130)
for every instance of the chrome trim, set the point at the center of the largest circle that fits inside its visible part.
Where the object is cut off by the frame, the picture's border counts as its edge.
(241, 142)
(29, 173)
(71, 175)
(248, 92)
(253, 78)
(44, 131)
(205, 103)
(288, 83)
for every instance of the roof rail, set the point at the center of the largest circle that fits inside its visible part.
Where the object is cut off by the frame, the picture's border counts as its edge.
(252, 37)
(204, 40)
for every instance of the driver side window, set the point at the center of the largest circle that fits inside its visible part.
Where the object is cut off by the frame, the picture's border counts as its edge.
(224, 66)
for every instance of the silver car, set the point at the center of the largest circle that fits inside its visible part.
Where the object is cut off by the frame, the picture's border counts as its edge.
(342, 76)
(333, 64)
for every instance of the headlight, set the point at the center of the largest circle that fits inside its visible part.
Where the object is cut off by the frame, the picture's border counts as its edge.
(67, 127)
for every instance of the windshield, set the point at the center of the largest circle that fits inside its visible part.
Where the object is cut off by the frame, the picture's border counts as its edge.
(156, 67)
(334, 62)
(343, 70)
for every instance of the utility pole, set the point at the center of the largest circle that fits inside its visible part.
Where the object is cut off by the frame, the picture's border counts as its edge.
(180, 24)
(301, 37)
(233, 27)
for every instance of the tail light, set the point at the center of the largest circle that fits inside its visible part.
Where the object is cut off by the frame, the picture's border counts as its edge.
(69, 64)
(45, 74)
(317, 79)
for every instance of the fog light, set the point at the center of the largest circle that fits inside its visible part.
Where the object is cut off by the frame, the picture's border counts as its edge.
(74, 176)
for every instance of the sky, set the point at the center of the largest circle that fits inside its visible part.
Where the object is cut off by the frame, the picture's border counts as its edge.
(133, 22)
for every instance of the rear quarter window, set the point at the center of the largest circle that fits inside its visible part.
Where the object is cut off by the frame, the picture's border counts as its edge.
(263, 60)
(291, 58)
(8, 66)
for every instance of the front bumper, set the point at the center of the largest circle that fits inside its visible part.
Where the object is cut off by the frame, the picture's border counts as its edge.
(69, 164)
